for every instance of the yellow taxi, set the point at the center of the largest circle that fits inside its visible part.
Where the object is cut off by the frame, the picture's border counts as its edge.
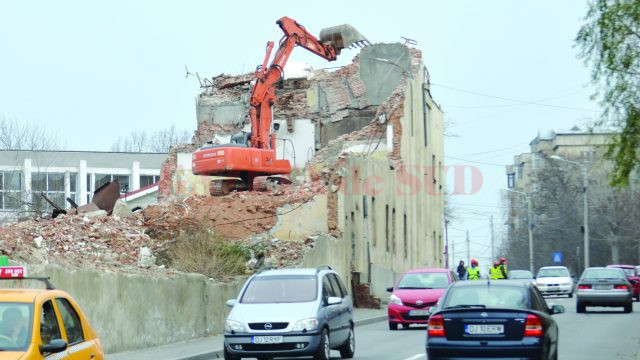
(43, 323)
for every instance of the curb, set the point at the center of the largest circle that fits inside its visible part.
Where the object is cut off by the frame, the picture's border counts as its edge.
(218, 354)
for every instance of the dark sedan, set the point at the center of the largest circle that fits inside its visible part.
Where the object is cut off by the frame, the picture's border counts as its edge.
(493, 319)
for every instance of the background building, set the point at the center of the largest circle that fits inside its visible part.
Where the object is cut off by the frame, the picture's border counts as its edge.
(561, 171)
(69, 174)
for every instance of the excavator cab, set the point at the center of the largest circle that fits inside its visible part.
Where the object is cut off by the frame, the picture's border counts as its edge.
(343, 36)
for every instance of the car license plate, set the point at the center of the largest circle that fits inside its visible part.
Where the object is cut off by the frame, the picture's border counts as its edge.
(484, 329)
(418, 312)
(602, 287)
(267, 339)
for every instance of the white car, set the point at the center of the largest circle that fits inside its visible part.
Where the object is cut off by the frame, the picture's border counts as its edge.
(554, 280)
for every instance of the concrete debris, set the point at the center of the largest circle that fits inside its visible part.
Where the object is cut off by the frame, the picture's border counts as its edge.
(252, 264)
(38, 241)
(145, 257)
(95, 214)
(121, 209)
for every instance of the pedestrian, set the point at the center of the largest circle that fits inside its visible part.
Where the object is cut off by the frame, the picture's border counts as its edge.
(474, 270)
(495, 271)
(462, 271)
(503, 268)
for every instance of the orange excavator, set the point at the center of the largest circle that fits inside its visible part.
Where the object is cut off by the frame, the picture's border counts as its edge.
(249, 161)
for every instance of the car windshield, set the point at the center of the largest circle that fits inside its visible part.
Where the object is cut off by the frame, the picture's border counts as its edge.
(630, 272)
(15, 326)
(557, 272)
(424, 281)
(520, 274)
(602, 274)
(281, 289)
(490, 296)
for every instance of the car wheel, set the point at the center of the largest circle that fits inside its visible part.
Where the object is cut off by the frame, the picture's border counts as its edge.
(570, 295)
(324, 348)
(628, 307)
(580, 307)
(228, 356)
(349, 347)
(393, 326)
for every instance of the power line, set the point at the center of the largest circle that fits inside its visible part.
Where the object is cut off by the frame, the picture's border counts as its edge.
(513, 100)
(491, 151)
(475, 162)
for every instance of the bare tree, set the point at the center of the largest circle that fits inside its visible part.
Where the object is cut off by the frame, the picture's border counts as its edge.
(161, 141)
(22, 135)
(158, 142)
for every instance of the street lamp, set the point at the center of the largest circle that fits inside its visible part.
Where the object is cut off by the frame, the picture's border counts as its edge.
(530, 221)
(585, 207)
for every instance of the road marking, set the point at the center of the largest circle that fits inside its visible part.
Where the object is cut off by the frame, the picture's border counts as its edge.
(416, 357)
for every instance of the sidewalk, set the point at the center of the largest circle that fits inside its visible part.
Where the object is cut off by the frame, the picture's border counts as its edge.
(211, 347)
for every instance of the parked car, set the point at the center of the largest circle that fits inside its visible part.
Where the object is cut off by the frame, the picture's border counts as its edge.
(600, 286)
(290, 313)
(634, 278)
(523, 275)
(416, 291)
(497, 319)
(554, 280)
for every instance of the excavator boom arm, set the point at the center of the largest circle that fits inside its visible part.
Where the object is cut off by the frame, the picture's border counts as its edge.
(263, 95)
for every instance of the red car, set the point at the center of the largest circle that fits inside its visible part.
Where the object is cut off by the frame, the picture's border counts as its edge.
(417, 291)
(634, 278)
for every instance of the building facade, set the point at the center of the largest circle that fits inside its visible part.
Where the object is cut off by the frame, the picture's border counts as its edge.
(67, 174)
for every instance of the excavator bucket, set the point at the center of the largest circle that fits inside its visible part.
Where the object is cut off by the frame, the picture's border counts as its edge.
(343, 36)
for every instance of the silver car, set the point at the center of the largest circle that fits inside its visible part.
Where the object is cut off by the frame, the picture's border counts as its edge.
(290, 313)
(599, 286)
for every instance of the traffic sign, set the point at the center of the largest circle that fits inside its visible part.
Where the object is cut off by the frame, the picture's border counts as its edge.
(557, 257)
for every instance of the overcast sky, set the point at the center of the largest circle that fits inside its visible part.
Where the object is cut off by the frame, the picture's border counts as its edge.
(502, 70)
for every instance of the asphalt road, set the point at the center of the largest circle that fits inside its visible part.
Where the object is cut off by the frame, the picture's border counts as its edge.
(601, 333)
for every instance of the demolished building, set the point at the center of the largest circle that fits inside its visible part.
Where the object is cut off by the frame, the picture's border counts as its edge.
(366, 145)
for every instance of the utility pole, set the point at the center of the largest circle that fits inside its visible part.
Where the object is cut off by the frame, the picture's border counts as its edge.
(453, 252)
(446, 243)
(530, 211)
(586, 216)
(468, 248)
(493, 249)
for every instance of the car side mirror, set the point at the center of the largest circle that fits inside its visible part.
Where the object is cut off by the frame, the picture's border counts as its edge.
(231, 302)
(334, 300)
(55, 346)
(390, 289)
(634, 281)
(556, 309)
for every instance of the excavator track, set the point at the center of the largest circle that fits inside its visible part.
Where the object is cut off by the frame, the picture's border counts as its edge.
(260, 183)
(224, 187)
(266, 183)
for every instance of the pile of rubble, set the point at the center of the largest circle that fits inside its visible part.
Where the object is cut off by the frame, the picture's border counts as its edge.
(92, 239)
